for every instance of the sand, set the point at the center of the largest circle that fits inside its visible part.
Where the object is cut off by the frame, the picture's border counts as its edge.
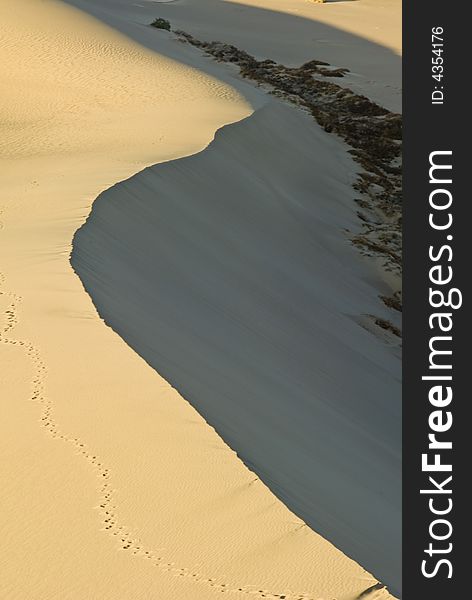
(113, 485)
(361, 35)
(230, 274)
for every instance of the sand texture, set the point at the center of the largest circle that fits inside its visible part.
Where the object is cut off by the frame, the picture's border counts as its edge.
(361, 35)
(114, 486)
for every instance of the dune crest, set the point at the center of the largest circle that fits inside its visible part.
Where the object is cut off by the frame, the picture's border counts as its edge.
(229, 273)
(84, 108)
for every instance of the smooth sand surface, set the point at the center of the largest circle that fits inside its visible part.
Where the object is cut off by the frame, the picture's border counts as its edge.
(361, 35)
(186, 298)
(113, 486)
(229, 272)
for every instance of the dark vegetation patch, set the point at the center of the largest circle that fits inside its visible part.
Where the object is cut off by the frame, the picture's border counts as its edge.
(373, 133)
(384, 324)
(161, 24)
(393, 301)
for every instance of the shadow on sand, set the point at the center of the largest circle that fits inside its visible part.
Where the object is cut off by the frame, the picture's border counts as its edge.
(379, 548)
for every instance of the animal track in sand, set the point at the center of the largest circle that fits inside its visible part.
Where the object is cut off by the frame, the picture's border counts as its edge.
(106, 506)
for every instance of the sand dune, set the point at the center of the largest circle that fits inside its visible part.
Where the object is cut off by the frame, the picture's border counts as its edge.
(113, 486)
(230, 274)
(361, 35)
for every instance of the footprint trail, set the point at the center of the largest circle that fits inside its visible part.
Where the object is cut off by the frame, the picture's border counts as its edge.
(106, 506)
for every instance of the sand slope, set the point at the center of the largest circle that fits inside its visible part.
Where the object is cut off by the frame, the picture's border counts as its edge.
(230, 274)
(361, 35)
(113, 486)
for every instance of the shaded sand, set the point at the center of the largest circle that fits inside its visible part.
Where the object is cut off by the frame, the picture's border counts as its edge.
(113, 486)
(252, 312)
(229, 272)
(361, 35)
